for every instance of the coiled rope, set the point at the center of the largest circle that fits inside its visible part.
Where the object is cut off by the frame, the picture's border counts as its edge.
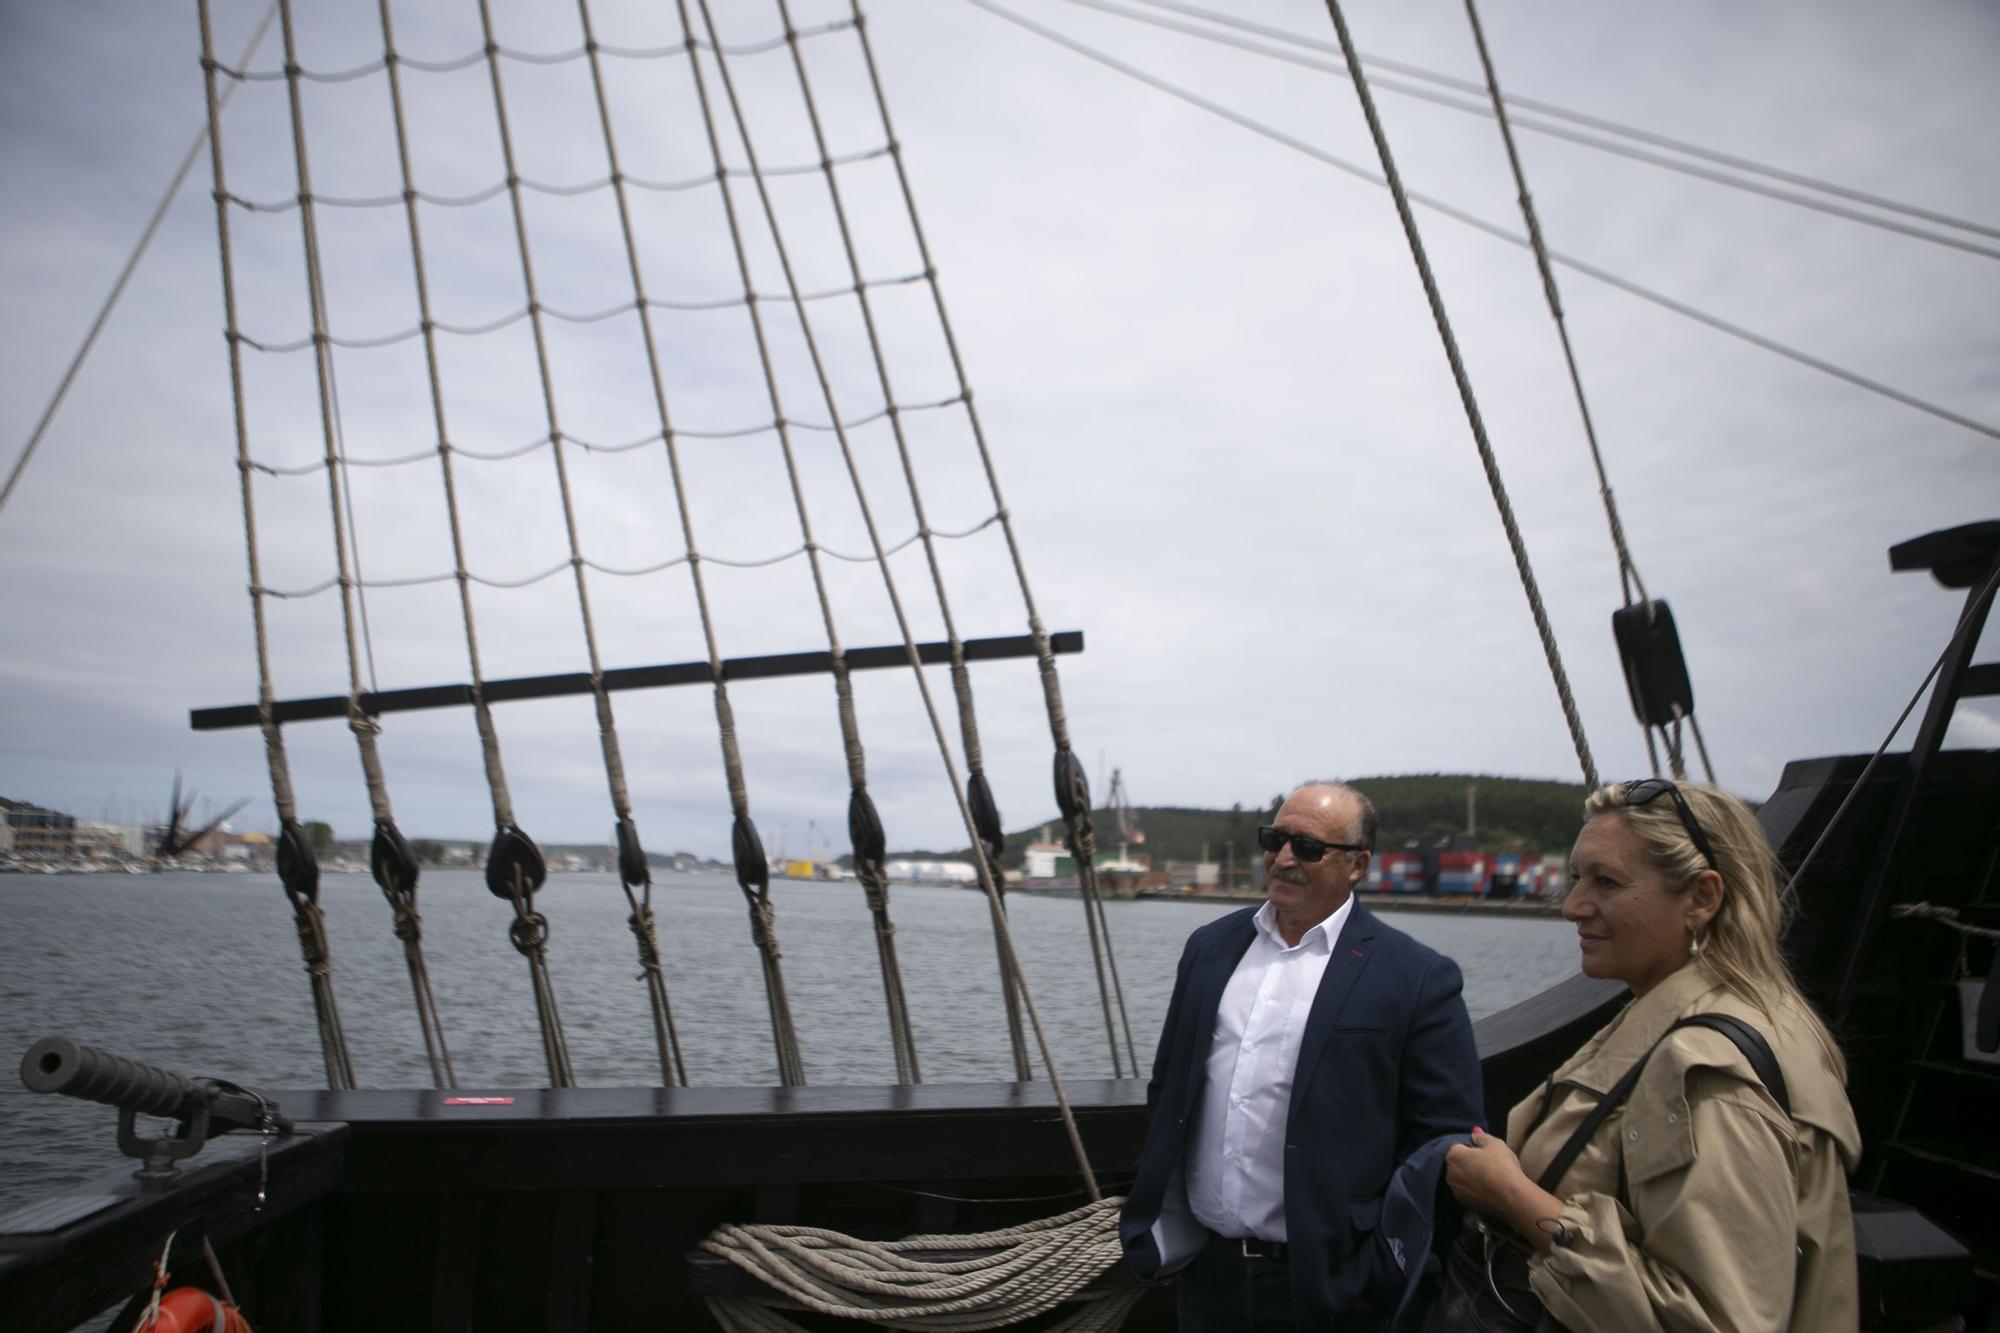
(997, 1277)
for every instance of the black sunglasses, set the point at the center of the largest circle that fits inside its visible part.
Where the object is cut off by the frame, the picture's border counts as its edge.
(1304, 846)
(1652, 789)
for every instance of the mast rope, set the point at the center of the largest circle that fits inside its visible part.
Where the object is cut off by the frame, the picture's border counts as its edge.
(987, 830)
(864, 824)
(1487, 459)
(297, 870)
(1496, 231)
(986, 872)
(948, 1282)
(1736, 182)
(1076, 817)
(1628, 568)
(634, 874)
(753, 874)
(393, 864)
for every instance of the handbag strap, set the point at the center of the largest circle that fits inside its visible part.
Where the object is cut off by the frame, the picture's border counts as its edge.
(1746, 1039)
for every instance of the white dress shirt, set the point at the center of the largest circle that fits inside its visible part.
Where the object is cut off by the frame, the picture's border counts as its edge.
(1236, 1154)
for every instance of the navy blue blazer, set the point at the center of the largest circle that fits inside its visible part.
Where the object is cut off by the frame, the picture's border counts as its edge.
(1386, 1064)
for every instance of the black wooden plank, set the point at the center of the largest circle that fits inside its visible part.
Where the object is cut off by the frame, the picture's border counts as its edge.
(58, 1280)
(457, 1270)
(692, 1138)
(572, 1245)
(563, 684)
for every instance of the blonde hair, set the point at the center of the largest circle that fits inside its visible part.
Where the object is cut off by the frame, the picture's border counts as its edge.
(1741, 944)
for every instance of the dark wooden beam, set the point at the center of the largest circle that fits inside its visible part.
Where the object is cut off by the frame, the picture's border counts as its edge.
(377, 702)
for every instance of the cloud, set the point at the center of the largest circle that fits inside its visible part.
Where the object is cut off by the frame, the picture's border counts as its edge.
(1230, 447)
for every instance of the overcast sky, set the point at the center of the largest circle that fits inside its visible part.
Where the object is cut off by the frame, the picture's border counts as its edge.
(1220, 415)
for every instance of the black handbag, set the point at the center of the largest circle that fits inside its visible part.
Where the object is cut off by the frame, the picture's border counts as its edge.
(1484, 1288)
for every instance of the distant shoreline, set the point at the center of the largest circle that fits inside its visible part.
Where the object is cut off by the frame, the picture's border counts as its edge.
(1377, 902)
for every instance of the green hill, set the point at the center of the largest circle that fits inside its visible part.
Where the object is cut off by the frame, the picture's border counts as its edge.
(1512, 814)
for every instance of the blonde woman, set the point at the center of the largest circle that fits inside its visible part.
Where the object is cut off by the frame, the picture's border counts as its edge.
(1700, 1202)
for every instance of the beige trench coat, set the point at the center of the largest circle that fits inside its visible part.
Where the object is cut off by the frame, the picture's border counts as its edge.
(1735, 1216)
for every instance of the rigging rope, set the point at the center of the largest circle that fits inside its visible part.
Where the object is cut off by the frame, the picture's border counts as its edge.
(1477, 223)
(947, 1282)
(1076, 819)
(131, 265)
(391, 860)
(633, 871)
(1458, 373)
(1628, 569)
(1561, 132)
(864, 824)
(503, 806)
(986, 872)
(1597, 122)
(297, 870)
(987, 830)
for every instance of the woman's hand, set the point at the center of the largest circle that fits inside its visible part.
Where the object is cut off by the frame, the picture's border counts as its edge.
(1487, 1176)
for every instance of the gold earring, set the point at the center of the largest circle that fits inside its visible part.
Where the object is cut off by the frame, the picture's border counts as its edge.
(1694, 940)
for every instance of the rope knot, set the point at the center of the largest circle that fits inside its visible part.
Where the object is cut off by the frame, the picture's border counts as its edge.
(529, 933)
(764, 928)
(409, 926)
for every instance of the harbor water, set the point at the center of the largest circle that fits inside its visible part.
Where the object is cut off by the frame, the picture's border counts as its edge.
(201, 974)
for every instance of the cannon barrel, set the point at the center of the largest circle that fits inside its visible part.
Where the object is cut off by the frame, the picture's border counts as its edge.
(67, 1066)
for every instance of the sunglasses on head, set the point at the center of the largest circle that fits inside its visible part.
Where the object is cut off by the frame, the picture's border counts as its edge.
(1652, 789)
(1304, 846)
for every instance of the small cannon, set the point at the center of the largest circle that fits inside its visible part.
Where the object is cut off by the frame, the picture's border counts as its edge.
(203, 1106)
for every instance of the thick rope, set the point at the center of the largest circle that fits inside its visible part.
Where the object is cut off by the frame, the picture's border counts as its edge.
(301, 883)
(529, 935)
(607, 730)
(489, 740)
(409, 928)
(960, 676)
(1628, 570)
(395, 869)
(1944, 916)
(1044, 656)
(867, 861)
(1458, 373)
(998, 1277)
(633, 867)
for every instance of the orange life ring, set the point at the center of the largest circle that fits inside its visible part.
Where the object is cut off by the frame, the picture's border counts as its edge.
(192, 1310)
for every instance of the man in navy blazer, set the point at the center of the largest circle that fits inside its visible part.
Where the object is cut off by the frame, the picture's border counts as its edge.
(1308, 1050)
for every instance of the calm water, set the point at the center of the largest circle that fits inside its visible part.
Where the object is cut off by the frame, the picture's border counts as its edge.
(200, 973)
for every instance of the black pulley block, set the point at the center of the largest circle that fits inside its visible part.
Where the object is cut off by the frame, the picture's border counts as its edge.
(514, 854)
